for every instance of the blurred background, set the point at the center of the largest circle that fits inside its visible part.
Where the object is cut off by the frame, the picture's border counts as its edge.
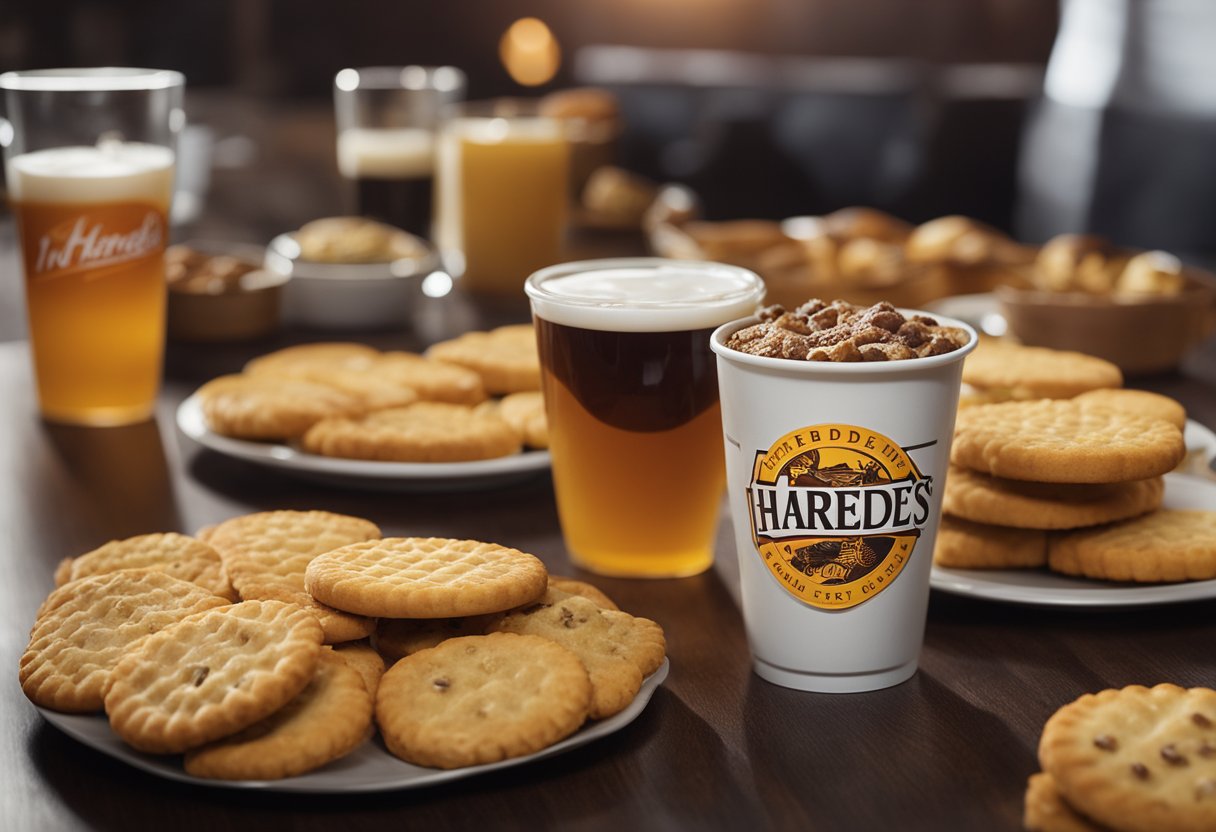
(767, 107)
(1037, 117)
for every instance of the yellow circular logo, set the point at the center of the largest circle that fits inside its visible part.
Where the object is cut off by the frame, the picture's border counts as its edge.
(836, 511)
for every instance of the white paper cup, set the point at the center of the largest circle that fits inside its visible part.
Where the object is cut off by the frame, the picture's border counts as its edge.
(834, 568)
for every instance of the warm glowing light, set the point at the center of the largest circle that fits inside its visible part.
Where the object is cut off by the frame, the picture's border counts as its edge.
(530, 52)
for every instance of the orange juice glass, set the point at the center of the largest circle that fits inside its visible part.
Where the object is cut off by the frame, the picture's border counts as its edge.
(503, 175)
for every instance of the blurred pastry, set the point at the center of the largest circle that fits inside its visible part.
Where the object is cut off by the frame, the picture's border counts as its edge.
(1077, 263)
(870, 223)
(1151, 273)
(356, 240)
(616, 197)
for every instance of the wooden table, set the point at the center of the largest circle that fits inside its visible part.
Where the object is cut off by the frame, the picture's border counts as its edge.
(717, 748)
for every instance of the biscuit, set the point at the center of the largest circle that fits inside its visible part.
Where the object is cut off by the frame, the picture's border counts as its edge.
(364, 659)
(1167, 545)
(374, 390)
(355, 240)
(618, 649)
(1137, 759)
(425, 577)
(266, 554)
(84, 628)
(1062, 441)
(269, 408)
(481, 699)
(1044, 810)
(525, 413)
(212, 674)
(1036, 372)
(962, 544)
(329, 355)
(434, 381)
(396, 638)
(506, 358)
(326, 721)
(592, 593)
(1137, 403)
(978, 497)
(174, 554)
(422, 432)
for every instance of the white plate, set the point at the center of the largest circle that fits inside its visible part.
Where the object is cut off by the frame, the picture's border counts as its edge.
(1043, 588)
(390, 476)
(370, 768)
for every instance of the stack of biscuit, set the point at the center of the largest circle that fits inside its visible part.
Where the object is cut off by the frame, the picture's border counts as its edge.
(1132, 760)
(246, 649)
(1065, 470)
(352, 401)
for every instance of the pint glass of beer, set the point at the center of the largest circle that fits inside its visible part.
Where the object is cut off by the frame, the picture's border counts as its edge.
(631, 393)
(89, 159)
(387, 118)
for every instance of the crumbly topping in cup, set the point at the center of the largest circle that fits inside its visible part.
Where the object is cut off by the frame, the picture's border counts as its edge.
(840, 331)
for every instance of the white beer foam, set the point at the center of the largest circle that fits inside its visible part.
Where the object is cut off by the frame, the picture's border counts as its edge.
(386, 154)
(109, 172)
(664, 296)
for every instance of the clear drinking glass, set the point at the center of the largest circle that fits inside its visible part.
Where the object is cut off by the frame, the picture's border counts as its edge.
(387, 118)
(89, 157)
(503, 181)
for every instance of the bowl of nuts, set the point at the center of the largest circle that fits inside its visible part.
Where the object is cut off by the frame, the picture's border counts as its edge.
(1142, 310)
(220, 292)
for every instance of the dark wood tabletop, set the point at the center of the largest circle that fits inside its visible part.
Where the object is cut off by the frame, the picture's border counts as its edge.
(717, 748)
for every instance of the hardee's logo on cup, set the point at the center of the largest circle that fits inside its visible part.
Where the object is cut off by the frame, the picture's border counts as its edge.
(836, 511)
(113, 235)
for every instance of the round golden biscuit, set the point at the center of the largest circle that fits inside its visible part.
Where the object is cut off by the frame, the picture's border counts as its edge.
(265, 408)
(182, 557)
(212, 674)
(425, 577)
(1036, 372)
(1137, 403)
(1167, 545)
(434, 381)
(480, 699)
(265, 555)
(970, 495)
(327, 720)
(618, 649)
(365, 660)
(1062, 441)
(962, 544)
(506, 358)
(525, 412)
(1138, 759)
(422, 432)
(86, 627)
(1044, 809)
(339, 355)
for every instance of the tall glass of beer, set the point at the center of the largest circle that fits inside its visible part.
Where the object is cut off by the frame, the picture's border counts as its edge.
(89, 159)
(387, 118)
(631, 394)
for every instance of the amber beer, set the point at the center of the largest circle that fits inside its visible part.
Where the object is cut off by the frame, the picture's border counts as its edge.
(92, 222)
(631, 394)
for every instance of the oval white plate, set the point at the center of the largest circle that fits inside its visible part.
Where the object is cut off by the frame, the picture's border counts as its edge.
(370, 768)
(391, 476)
(1043, 588)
